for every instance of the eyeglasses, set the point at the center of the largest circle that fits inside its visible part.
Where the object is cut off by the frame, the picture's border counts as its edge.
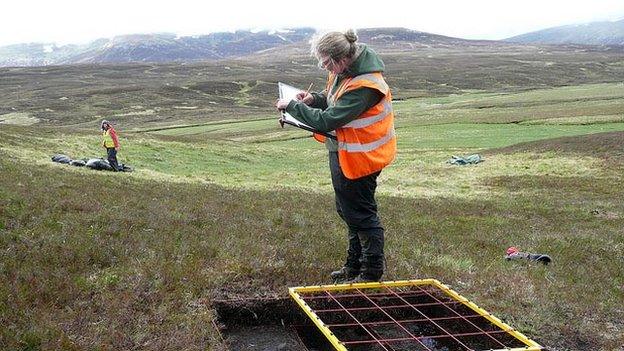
(326, 63)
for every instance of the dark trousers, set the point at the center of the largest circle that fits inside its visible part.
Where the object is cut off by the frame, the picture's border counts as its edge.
(356, 205)
(112, 158)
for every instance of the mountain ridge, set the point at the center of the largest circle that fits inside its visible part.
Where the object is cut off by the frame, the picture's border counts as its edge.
(593, 33)
(154, 47)
(167, 47)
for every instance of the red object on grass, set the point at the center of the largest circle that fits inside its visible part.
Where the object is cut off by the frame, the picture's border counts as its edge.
(512, 250)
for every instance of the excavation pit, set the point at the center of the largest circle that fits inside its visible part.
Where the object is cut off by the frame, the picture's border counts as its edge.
(267, 325)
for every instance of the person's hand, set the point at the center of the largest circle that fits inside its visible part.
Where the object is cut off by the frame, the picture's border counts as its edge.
(281, 104)
(117, 148)
(305, 97)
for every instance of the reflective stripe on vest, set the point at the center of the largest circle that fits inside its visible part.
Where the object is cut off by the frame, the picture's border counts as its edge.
(375, 78)
(357, 147)
(367, 121)
(108, 140)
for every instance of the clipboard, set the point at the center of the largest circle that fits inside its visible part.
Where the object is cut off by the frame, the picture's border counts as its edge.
(289, 92)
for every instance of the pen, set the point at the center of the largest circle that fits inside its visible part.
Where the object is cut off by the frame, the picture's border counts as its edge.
(308, 91)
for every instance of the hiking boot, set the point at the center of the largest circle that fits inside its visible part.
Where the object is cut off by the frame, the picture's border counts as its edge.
(344, 273)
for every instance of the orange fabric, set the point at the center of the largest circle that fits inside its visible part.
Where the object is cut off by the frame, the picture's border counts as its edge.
(360, 164)
(365, 147)
(320, 138)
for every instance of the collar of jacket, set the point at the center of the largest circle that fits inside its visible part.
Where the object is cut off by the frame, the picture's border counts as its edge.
(348, 72)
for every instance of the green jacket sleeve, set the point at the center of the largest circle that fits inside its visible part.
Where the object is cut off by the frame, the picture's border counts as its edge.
(320, 100)
(348, 107)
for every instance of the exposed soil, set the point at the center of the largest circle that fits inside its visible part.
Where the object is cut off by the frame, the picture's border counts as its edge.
(267, 325)
(264, 337)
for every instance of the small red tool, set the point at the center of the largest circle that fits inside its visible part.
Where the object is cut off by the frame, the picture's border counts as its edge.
(514, 254)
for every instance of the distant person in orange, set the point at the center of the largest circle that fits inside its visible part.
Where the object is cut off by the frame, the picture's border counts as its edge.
(111, 143)
(356, 110)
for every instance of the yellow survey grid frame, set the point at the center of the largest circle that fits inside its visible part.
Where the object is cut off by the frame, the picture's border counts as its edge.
(296, 291)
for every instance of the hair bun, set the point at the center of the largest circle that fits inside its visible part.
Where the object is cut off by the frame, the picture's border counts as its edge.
(351, 36)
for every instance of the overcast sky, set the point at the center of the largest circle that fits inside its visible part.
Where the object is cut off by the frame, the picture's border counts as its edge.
(64, 21)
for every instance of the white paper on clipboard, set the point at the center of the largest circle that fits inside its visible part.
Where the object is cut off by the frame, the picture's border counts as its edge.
(289, 92)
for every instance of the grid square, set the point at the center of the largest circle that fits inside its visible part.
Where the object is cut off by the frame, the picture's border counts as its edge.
(403, 313)
(438, 310)
(336, 317)
(390, 331)
(321, 303)
(353, 301)
(371, 316)
(423, 328)
(457, 325)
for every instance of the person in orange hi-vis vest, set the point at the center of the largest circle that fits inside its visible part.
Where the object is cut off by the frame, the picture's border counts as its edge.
(111, 143)
(356, 109)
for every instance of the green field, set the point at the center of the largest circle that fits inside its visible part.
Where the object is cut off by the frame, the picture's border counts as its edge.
(243, 208)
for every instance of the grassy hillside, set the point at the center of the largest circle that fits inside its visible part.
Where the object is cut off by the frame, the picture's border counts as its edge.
(230, 209)
(151, 95)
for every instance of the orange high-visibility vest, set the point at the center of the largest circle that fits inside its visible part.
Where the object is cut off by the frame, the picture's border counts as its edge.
(368, 143)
